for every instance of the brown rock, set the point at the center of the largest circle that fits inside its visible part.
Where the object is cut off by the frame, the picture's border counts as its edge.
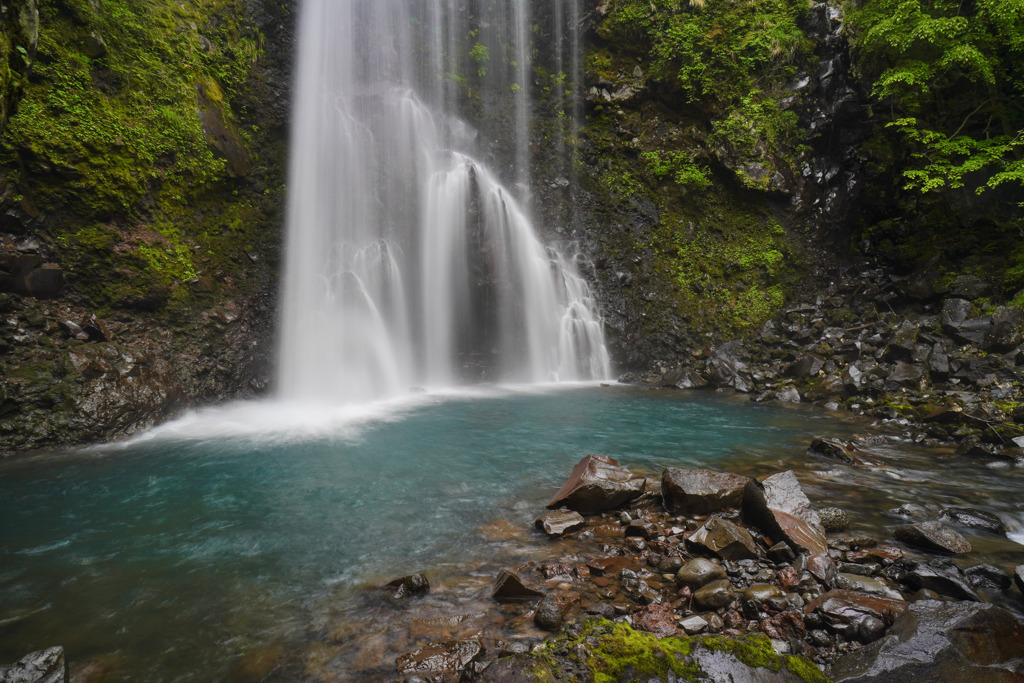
(608, 566)
(726, 540)
(779, 507)
(448, 656)
(597, 483)
(715, 595)
(836, 449)
(510, 588)
(700, 492)
(823, 568)
(844, 610)
(886, 554)
(657, 619)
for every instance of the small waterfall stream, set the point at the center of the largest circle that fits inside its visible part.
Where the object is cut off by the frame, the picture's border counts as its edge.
(409, 261)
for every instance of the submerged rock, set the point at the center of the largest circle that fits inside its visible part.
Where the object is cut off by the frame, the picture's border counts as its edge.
(941, 641)
(406, 587)
(973, 519)
(44, 666)
(597, 483)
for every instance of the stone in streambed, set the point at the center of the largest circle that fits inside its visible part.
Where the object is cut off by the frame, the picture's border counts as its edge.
(985, 577)
(508, 587)
(549, 614)
(834, 519)
(700, 492)
(406, 587)
(658, 619)
(724, 539)
(715, 595)
(933, 536)
(596, 484)
(835, 449)
(941, 577)
(778, 506)
(866, 584)
(444, 657)
(973, 519)
(850, 613)
(699, 572)
(761, 592)
(940, 641)
(1018, 577)
(44, 666)
(560, 522)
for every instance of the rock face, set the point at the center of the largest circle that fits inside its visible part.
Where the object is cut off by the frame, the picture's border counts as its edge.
(933, 536)
(941, 641)
(597, 483)
(700, 492)
(45, 666)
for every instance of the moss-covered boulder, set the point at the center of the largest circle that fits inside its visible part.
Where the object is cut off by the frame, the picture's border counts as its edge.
(604, 652)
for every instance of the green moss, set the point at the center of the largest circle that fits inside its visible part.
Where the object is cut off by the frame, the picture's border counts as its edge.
(605, 652)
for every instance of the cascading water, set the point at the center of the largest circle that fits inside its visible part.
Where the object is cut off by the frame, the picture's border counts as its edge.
(408, 261)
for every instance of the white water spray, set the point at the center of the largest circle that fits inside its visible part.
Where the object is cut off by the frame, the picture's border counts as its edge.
(408, 261)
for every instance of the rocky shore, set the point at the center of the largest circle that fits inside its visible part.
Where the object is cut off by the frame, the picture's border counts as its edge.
(936, 360)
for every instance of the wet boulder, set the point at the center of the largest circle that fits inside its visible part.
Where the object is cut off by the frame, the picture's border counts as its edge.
(699, 572)
(715, 595)
(834, 519)
(855, 614)
(842, 451)
(985, 577)
(941, 577)
(724, 539)
(973, 518)
(44, 666)
(549, 615)
(940, 641)
(779, 507)
(406, 587)
(1018, 577)
(700, 492)
(807, 365)
(596, 484)
(932, 536)
(560, 522)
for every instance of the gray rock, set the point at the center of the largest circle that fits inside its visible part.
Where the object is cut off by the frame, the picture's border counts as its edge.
(942, 578)
(866, 584)
(44, 666)
(844, 611)
(834, 519)
(715, 595)
(726, 367)
(699, 492)
(955, 312)
(940, 641)
(985, 577)
(406, 587)
(441, 657)
(808, 365)
(724, 539)
(596, 484)
(549, 614)
(560, 522)
(699, 572)
(693, 625)
(1018, 577)
(933, 536)
(973, 519)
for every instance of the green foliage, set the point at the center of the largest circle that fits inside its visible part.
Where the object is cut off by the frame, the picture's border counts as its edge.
(953, 75)
(714, 48)
(481, 55)
(679, 166)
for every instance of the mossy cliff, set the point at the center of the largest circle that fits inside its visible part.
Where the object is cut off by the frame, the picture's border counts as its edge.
(141, 186)
(736, 156)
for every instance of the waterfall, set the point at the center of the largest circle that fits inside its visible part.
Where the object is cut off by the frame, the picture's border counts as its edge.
(409, 261)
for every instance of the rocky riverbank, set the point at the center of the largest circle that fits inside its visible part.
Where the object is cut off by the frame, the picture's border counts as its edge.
(933, 358)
